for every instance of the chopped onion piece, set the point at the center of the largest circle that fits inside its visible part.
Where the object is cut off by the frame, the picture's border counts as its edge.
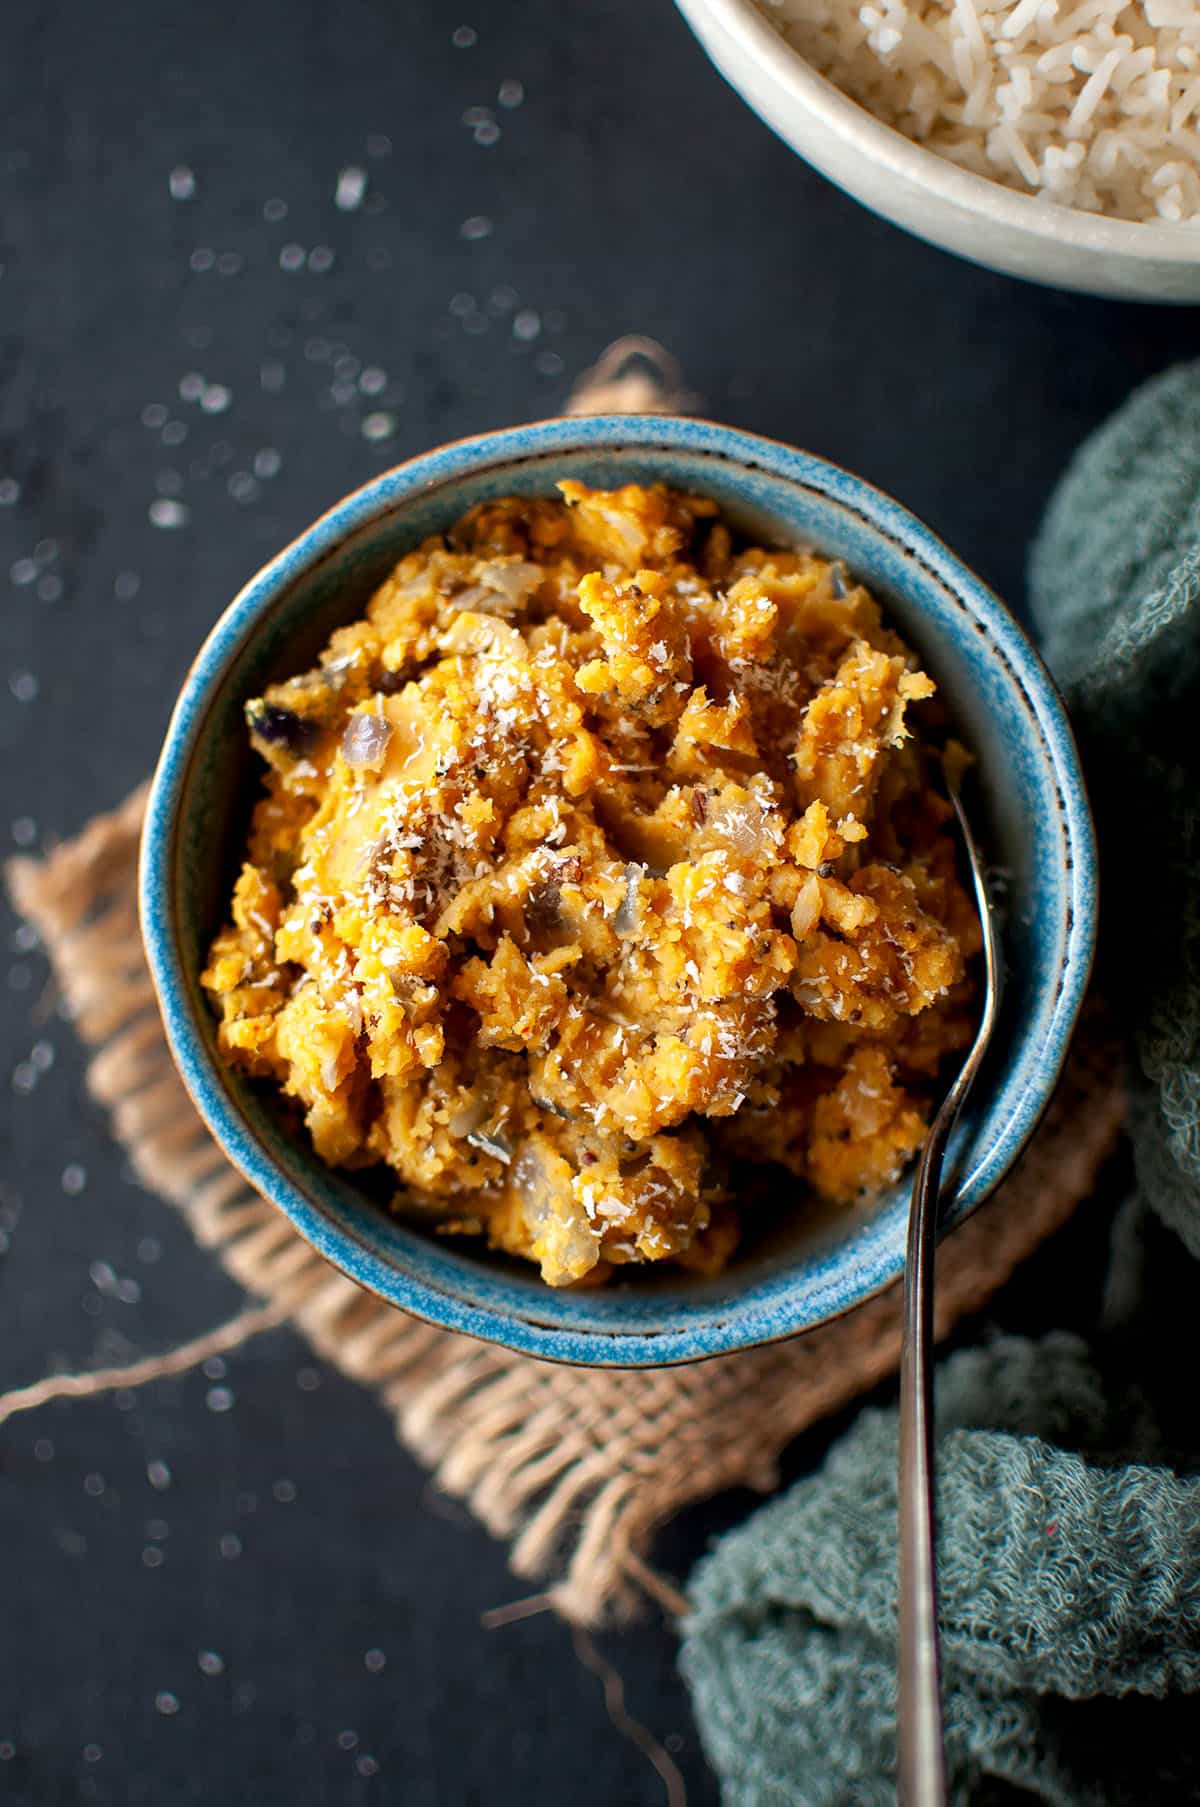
(365, 741)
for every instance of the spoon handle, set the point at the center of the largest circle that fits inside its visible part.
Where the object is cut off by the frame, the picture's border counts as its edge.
(921, 1752)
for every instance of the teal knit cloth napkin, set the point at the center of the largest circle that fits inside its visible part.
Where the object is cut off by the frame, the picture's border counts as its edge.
(1069, 1508)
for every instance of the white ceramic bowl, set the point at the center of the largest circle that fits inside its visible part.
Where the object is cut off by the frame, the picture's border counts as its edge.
(981, 220)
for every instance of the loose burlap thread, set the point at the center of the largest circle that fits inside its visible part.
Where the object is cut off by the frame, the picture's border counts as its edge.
(574, 1468)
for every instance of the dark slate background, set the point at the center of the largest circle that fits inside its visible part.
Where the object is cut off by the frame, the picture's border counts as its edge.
(627, 190)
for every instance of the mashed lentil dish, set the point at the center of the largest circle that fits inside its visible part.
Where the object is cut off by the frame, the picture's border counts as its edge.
(603, 889)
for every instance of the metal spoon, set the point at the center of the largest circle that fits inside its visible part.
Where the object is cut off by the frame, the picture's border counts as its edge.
(922, 1761)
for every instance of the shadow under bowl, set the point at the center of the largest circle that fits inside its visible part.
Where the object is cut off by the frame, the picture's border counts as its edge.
(801, 1266)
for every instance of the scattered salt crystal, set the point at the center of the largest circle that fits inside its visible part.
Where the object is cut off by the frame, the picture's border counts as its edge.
(272, 376)
(149, 1250)
(351, 187)
(275, 210)
(267, 462)
(154, 415)
(373, 380)
(320, 259)
(41, 1055)
(548, 363)
(216, 398)
(203, 258)
(347, 1740)
(292, 257)
(219, 1399)
(374, 1661)
(92, 1753)
(527, 325)
(24, 831)
(209, 1663)
(43, 1450)
(284, 1491)
(510, 93)
(477, 226)
(181, 183)
(214, 1367)
(229, 263)
(243, 487)
(174, 433)
(488, 133)
(380, 425)
(158, 1475)
(126, 585)
(10, 491)
(230, 1546)
(166, 1702)
(23, 571)
(93, 1485)
(308, 1380)
(464, 36)
(366, 1766)
(152, 1557)
(74, 1179)
(378, 144)
(191, 386)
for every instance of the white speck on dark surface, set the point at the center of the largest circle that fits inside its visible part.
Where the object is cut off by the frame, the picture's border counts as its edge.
(510, 92)
(219, 1399)
(320, 259)
(230, 1546)
(272, 376)
(292, 257)
(92, 1753)
(24, 831)
(229, 263)
(464, 36)
(43, 1450)
(379, 425)
(214, 1368)
(284, 1491)
(154, 415)
(351, 187)
(476, 225)
(153, 1557)
(181, 183)
(373, 380)
(10, 492)
(347, 1740)
(126, 585)
(274, 210)
(93, 1485)
(202, 259)
(374, 1660)
(267, 463)
(49, 588)
(166, 1702)
(366, 1766)
(24, 686)
(23, 571)
(215, 398)
(74, 1178)
(209, 1662)
(159, 1475)
(527, 324)
(243, 487)
(157, 1528)
(169, 512)
(308, 1379)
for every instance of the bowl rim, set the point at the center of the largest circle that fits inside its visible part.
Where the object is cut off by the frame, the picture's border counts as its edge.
(740, 1324)
(855, 125)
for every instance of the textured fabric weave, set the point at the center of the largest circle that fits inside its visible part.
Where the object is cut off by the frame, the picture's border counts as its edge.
(1070, 1524)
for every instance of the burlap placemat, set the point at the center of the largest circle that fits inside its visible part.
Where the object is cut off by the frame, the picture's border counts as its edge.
(575, 1468)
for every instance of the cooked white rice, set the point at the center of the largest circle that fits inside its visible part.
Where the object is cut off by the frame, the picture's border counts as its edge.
(1095, 105)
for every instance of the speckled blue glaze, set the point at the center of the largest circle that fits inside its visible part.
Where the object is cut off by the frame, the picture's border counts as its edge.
(1033, 815)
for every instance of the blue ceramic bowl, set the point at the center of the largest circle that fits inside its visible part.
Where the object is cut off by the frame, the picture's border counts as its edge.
(1032, 811)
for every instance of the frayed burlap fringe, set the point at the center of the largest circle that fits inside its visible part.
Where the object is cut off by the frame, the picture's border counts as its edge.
(575, 1468)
